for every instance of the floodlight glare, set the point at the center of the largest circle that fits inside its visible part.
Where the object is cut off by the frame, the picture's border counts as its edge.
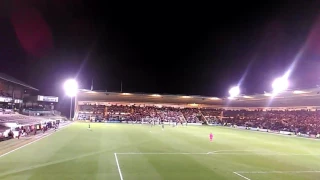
(234, 91)
(280, 84)
(248, 97)
(71, 87)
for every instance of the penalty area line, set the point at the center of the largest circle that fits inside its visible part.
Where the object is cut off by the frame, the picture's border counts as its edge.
(119, 170)
(240, 173)
(244, 177)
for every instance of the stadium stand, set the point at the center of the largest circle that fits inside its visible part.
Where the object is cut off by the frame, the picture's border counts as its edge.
(291, 112)
(298, 121)
(137, 113)
(37, 112)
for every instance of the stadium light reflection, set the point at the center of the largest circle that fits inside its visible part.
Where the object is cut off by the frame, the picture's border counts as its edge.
(267, 94)
(214, 98)
(91, 92)
(299, 92)
(194, 105)
(247, 97)
(126, 94)
(156, 95)
(186, 97)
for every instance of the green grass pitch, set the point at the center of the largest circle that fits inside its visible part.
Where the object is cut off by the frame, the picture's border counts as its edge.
(141, 152)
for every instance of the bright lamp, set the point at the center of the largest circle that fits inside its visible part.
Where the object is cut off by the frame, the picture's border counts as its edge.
(280, 84)
(234, 91)
(71, 87)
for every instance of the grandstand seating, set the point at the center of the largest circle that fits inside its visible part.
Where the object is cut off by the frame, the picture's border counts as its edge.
(307, 122)
(145, 113)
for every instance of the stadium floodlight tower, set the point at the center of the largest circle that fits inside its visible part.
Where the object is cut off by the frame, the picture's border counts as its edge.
(71, 89)
(280, 84)
(234, 91)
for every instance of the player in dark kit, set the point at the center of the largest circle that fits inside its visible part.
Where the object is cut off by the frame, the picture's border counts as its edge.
(162, 125)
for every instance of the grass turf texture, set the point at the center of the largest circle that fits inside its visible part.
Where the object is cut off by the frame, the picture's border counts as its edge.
(145, 153)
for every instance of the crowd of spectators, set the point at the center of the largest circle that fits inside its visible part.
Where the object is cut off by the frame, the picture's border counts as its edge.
(146, 113)
(299, 121)
(212, 115)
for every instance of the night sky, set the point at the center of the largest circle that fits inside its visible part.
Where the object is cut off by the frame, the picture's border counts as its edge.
(160, 47)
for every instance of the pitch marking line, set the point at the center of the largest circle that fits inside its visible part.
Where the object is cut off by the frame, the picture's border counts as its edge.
(219, 153)
(33, 141)
(272, 133)
(276, 172)
(32, 167)
(120, 173)
(244, 177)
(228, 151)
(240, 173)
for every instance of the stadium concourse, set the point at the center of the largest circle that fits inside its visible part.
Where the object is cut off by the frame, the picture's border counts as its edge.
(290, 112)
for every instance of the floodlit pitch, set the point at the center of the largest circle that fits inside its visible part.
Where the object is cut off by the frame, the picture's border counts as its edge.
(139, 152)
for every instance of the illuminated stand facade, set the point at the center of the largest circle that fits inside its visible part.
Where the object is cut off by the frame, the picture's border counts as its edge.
(47, 103)
(13, 91)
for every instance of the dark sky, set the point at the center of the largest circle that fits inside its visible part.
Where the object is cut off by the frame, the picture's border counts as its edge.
(160, 47)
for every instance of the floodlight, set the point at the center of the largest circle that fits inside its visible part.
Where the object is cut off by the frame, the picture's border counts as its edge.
(234, 91)
(71, 87)
(280, 84)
